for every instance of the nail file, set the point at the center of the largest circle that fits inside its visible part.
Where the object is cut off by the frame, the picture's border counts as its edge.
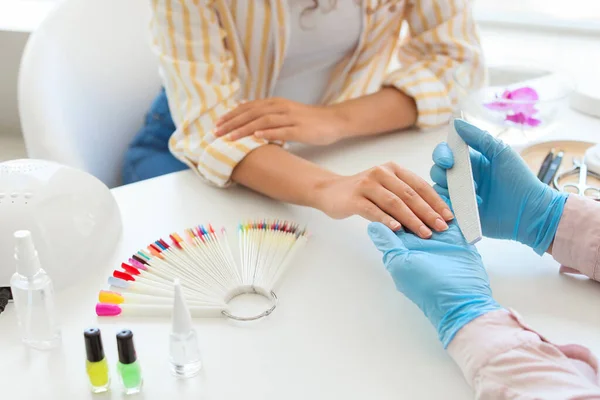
(462, 188)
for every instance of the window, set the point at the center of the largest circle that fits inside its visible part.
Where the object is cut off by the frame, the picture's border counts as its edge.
(23, 15)
(578, 15)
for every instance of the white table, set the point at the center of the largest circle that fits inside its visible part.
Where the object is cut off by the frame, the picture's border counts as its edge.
(341, 331)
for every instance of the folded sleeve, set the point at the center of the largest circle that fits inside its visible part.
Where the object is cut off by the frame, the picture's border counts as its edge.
(442, 37)
(502, 358)
(198, 74)
(577, 240)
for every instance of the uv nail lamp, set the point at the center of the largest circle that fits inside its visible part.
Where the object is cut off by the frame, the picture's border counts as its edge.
(72, 216)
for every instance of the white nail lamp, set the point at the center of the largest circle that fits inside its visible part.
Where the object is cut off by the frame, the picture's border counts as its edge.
(72, 216)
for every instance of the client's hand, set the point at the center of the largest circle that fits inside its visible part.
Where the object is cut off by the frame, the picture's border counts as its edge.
(515, 204)
(277, 119)
(444, 276)
(388, 194)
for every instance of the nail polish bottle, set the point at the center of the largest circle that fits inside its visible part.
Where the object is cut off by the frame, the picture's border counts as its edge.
(128, 366)
(96, 365)
(183, 347)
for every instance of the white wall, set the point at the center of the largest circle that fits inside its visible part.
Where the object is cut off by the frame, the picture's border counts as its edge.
(11, 48)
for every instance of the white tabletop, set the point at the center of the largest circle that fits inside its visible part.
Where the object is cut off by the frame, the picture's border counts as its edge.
(341, 329)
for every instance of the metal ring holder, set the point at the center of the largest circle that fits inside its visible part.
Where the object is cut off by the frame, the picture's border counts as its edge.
(252, 290)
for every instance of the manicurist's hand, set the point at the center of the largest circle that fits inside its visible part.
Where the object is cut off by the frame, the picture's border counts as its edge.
(444, 276)
(514, 203)
(388, 194)
(277, 119)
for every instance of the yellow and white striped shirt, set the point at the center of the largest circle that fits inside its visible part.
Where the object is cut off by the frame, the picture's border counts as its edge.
(215, 54)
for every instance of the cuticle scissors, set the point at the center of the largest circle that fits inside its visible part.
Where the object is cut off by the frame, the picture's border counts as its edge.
(582, 188)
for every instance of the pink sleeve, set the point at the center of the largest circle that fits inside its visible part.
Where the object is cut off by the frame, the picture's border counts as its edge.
(502, 358)
(577, 240)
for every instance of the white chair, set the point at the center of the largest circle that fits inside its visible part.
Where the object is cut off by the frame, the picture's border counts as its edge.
(87, 77)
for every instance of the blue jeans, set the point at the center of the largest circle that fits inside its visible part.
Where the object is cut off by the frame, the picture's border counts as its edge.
(148, 155)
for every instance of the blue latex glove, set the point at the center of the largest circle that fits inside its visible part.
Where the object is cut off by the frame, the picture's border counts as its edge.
(514, 203)
(444, 276)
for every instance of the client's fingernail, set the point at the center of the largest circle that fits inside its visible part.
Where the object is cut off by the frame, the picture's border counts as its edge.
(424, 231)
(394, 224)
(259, 134)
(440, 225)
(447, 214)
(231, 136)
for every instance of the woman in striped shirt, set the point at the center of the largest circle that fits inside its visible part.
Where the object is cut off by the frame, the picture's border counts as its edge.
(244, 76)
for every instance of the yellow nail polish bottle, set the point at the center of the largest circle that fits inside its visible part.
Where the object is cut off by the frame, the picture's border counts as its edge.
(96, 365)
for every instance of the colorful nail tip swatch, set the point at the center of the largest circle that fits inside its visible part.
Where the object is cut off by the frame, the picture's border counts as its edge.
(201, 257)
(109, 297)
(123, 275)
(107, 310)
(116, 282)
(137, 264)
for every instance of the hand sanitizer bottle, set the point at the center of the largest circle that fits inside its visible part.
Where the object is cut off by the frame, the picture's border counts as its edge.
(33, 296)
(184, 351)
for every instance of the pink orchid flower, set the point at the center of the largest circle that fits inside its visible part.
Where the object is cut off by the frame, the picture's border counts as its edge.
(522, 119)
(520, 112)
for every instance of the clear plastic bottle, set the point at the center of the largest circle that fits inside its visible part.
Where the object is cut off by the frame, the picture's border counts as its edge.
(185, 355)
(33, 296)
(184, 351)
